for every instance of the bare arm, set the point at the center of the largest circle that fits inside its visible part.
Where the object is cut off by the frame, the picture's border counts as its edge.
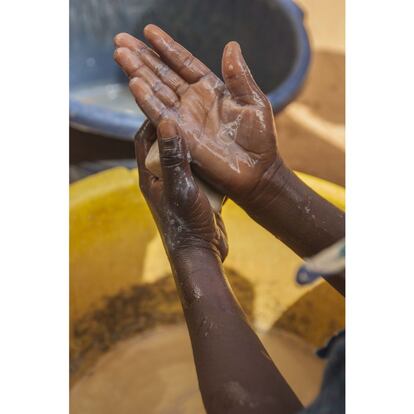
(230, 131)
(296, 215)
(235, 373)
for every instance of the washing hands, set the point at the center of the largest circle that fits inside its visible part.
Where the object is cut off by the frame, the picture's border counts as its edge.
(228, 126)
(229, 131)
(224, 132)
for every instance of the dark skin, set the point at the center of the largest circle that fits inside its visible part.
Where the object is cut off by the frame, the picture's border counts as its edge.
(239, 382)
(230, 132)
(228, 128)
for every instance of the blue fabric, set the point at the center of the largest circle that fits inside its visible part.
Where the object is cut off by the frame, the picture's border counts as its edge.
(331, 399)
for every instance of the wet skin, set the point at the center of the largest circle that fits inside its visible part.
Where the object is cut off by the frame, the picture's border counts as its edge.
(228, 127)
(229, 131)
(235, 373)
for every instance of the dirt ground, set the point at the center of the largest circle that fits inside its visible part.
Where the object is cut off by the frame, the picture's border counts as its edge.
(311, 130)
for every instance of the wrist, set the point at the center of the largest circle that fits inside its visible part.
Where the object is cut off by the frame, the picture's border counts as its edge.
(192, 258)
(264, 195)
(183, 243)
(295, 214)
(199, 278)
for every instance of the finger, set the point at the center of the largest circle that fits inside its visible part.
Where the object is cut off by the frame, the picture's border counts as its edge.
(176, 56)
(134, 67)
(176, 173)
(153, 61)
(143, 141)
(163, 71)
(238, 78)
(147, 100)
(127, 40)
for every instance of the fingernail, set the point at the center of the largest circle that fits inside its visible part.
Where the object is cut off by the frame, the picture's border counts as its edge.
(151, 28)
(232, 46)
(235, 44)
(118, 38)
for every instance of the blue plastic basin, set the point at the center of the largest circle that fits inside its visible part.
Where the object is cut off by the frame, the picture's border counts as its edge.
(270, 32)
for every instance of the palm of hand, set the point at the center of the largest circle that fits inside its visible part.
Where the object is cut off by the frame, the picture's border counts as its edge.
(222, 133)
(228, 126)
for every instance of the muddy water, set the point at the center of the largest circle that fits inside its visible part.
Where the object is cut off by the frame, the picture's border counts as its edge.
(154, 372)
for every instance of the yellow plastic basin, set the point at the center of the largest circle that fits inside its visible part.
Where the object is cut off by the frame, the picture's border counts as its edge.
(115, 247)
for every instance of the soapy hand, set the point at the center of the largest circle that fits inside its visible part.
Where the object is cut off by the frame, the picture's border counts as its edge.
(228, 127)
(182, 212)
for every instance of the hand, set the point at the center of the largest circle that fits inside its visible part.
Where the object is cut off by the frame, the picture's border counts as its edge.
(228, 127)
(231, 136)
(234, 371)
(182, 212)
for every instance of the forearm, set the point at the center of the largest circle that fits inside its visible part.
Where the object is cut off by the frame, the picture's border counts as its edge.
(234, 370)
(296, 215)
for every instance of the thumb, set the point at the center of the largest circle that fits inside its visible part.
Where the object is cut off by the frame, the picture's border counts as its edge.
(175, 167)
(238, 78)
